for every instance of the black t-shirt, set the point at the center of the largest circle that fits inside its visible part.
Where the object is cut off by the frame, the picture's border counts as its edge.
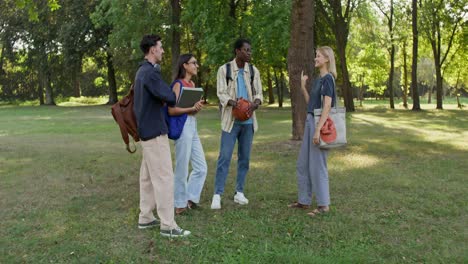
(320, 87)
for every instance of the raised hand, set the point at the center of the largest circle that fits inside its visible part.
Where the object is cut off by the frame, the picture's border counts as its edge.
(304, 79)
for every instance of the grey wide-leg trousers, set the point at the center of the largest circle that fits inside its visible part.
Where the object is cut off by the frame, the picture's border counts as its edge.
(312, 172)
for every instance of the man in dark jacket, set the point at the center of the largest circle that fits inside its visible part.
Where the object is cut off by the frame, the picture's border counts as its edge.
(156, 174)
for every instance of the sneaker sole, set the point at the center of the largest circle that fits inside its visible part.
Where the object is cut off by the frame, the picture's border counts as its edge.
(176, 236)
(146, 227)
(240, 202)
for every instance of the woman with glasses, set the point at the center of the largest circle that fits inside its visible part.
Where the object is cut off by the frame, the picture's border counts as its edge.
(188, 148)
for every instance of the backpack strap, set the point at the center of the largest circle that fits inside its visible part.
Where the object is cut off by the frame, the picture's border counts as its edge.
(252, 76)
(228, 73)
(181, 87)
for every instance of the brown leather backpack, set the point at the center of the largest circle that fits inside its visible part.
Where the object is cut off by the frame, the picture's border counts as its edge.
(122, 111)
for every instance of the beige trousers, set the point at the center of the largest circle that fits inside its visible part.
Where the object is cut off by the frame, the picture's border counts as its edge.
(157, 183)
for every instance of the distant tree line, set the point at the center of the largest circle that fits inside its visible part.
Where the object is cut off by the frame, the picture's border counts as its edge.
(53, 49)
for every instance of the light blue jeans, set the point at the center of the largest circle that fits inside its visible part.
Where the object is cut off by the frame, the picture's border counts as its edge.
(244, 134)
(188, 148)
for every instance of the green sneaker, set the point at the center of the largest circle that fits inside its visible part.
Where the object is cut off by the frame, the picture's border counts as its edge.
(149, 225)
(176, 232)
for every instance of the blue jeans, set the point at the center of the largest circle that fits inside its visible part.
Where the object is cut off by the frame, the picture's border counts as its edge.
(188, 148)
(244, 134)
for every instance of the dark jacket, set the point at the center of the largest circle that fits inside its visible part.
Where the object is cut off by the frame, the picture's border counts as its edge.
(151, 92)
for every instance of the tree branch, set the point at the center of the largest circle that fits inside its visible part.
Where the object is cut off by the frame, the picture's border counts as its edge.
(325, 14)
(450, 42)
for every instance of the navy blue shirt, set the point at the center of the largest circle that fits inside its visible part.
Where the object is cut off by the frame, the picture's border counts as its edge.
(320, 87)
(151, 92)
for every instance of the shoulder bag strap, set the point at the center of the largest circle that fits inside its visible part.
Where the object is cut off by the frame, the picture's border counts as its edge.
(334, 91)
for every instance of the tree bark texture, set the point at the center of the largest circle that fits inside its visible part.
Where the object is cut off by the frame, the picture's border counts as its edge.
(300, 58)
(75, 78)
(392, 57)
(391, 77)
(271, 97)
(339, 22)
(405, 76)
(175, 45)
(111, 79)
(44, 75)
(414, 66)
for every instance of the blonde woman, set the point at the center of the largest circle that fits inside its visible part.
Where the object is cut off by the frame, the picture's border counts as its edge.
(312, 172)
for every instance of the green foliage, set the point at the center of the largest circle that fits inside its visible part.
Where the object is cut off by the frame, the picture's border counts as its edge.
(368, 62)
(49, 43)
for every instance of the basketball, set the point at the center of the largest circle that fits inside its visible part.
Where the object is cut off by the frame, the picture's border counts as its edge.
(240, 112)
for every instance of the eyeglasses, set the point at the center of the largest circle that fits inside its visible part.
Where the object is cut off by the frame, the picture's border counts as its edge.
(192, 62)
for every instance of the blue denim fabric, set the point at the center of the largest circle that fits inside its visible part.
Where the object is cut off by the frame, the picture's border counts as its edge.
(244, 134)
(188, 148)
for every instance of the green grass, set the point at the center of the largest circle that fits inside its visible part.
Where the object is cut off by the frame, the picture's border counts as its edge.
(69, 193)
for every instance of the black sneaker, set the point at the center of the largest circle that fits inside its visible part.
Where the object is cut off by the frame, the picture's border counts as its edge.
(149, 225)
(176, 232)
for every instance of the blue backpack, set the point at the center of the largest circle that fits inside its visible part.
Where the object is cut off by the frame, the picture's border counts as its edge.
(175, 124)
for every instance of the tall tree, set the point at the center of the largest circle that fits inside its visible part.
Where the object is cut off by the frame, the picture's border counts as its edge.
(389, 15)
(442, 20)
(175, 32)
(300, 58)
(76, 29)
(339, 20)
(414, 66)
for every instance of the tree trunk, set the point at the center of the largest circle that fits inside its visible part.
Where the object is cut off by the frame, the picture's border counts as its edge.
(429, 94)
(75, 78)
(405, 77)
(232, 8)
(300, 58)
(392, 58)
(271, 97)
(2, 55)
(390, 78)
(44, 75)
(436, 48)
(40, 93)
(113, 98)
(279, 90)
(439, 86)
(414, 66)
(175, 45)
(346, 88)
(341, 30)
(48, 88)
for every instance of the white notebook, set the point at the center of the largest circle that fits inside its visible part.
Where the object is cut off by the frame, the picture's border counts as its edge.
(189, 96)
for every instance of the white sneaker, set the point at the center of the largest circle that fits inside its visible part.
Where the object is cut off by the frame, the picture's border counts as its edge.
(240, 198)
(216, 203)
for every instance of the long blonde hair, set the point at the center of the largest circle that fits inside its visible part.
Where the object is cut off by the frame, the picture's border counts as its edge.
(328, 53)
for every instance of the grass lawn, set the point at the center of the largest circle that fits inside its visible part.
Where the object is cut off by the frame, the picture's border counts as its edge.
(69, 193)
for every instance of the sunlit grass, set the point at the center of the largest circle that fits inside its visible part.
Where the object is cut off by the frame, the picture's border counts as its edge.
(69, 192)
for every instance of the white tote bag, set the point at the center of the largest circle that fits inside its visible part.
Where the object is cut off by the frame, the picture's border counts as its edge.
(338, 115)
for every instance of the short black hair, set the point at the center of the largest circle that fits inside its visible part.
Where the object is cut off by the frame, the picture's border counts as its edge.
(148, 41)
(239, 43)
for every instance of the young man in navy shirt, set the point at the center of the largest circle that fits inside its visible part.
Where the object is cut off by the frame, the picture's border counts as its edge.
(156, 174)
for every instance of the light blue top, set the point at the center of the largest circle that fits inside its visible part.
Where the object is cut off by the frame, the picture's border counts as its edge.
(242, 92)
